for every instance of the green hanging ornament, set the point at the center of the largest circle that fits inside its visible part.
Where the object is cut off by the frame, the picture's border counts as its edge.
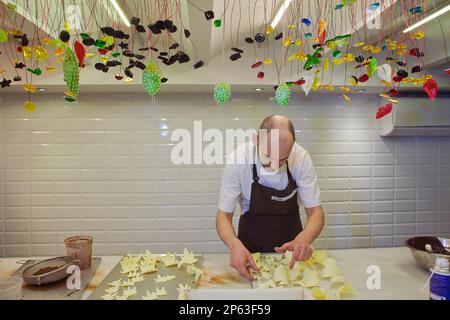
(71, 74)
(372, 67)
(151, 78)
(3, 36)
(283, 94)
(222, 93)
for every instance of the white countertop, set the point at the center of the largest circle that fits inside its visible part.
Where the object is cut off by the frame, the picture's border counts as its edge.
(401, 277)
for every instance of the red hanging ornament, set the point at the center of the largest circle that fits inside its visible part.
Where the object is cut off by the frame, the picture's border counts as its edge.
(103, 51)
(393, 92)
(363, 78)
(384, 110)
(299, 82)
(119, 77)
(256, 65)
(431, 88)
(322, 38)
(80, 51)
(261, 75)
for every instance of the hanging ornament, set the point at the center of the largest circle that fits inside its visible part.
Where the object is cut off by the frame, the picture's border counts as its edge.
(64, 36)
(222, 93)
(71, 73)
(306, 22)
(80, 51)
(41, 53)
(3, 36)
(431, 88)
(322, 33)
(307, 85)
(384, 110)
(283, 95)
(260, 37)
(151, 78)
(384, 72)
(29, 106)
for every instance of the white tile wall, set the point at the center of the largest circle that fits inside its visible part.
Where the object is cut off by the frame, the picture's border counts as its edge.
(103, 167)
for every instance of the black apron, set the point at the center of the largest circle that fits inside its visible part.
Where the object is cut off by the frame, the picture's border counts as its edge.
(273, 217)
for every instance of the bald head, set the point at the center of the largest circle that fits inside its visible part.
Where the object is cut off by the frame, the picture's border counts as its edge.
(277, 132)
(282, 123)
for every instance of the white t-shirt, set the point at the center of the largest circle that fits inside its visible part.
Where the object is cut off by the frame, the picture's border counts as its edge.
(237, 178)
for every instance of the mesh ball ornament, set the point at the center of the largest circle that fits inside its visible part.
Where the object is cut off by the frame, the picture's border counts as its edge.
(283, 95)
(151, 78)
(71, 73)
(222, 93)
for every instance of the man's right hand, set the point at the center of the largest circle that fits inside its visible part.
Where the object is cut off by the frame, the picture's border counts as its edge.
(241, 259)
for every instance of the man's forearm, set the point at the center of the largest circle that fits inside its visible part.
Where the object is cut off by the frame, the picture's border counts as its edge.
(224, 226)
(314, 224)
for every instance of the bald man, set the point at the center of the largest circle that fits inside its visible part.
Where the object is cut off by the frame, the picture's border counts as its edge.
(271, 177)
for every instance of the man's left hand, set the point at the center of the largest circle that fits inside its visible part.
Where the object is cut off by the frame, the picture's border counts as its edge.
(300, 247)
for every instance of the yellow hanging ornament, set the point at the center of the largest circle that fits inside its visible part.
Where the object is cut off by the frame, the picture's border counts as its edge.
(326, 64)
(30, 88)
(41, 53)
(29, 106)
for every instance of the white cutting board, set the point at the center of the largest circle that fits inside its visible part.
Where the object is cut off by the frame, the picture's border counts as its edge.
(246, 294)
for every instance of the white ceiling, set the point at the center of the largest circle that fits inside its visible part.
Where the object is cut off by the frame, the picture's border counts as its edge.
(243, 19)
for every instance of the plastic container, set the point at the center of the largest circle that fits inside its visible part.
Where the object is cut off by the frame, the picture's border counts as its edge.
(440, 280)
(11, 288)
(80, 248)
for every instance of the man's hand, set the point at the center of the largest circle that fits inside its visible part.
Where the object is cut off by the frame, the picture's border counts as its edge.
(241, 258)
(300, 247)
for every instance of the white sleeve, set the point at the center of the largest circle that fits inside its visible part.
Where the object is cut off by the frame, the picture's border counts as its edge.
(230, 189)
(307, 184)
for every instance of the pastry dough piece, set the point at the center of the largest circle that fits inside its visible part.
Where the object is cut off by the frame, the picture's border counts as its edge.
(116, 283)
(128, 283)
(183, 292)
(108, 296)
(330, 268)
(310, 278)
(112, 290)
(187, 258)
(129, 292)
(169, 260)
(150, 296)
(161, 292)
(138, 278)
(162, 279)
(192, 270)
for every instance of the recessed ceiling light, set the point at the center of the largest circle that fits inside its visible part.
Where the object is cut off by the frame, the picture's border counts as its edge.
(428, 18)
(259, 89)
(122, 14)
(41, 89)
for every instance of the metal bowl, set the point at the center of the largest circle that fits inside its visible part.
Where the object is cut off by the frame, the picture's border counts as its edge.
(423, 258)
(61, 263)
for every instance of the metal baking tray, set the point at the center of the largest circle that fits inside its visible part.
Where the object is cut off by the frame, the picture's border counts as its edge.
(182, 277)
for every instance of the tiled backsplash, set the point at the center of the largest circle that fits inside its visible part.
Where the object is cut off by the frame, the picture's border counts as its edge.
(102, 167)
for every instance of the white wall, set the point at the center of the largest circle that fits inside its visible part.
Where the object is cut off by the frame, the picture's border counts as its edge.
(102, 167)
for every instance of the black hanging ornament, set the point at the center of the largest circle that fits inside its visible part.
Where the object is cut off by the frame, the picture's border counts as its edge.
(209, 15)
(64, 36)
(260, 37)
